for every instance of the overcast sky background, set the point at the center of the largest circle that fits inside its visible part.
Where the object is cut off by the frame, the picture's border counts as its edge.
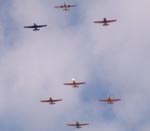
(113, 60)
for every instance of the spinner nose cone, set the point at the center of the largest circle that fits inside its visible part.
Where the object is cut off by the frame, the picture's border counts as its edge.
(73, 79)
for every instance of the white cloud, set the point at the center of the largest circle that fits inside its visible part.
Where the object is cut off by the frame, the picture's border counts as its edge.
(38, 63)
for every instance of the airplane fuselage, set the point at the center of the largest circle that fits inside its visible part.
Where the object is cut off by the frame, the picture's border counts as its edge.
(78, 125)
(74, 84)
(110, 101)
(105, 22)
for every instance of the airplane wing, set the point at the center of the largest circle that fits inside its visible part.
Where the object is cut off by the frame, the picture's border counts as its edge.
(104, 100)
(116, 99)
(68, 84)
(38, 26)
(98, 21)
(72, 5)
(57, 100)
(79, 83)
(59, 6)
(29, 26)
(109, 21)
(71, 125)
(44, 101)
(84, 124)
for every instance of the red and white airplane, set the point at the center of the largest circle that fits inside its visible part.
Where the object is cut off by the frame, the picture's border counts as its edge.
(110, 100)
(65, 6)
(105, 22)
(74, 83)
(51, 101)
(78, 125)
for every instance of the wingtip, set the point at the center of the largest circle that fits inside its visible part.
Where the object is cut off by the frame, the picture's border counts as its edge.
(95, 22)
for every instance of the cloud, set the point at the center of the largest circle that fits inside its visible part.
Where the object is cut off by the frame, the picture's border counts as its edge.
(34, 66)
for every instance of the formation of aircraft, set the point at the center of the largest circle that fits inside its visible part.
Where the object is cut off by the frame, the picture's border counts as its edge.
(35, 27)
(65, 6)
(105, 22)
(110, 100)
(51, 100)
(74, 83)
(78, 125)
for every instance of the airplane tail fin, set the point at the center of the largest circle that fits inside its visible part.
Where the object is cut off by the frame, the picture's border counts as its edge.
(110, 102)
(36, 29)
(105, 24)
(52, 103)
(66, 9)
(75, 86)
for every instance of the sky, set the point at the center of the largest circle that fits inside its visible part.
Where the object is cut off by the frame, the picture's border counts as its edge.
(113, 61)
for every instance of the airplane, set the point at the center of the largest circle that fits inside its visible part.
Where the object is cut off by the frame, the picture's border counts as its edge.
(51, 101)
(35, 27)
(110, 100)
(65, 6)
(74, 83)
(105, 21)
(78, 125)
